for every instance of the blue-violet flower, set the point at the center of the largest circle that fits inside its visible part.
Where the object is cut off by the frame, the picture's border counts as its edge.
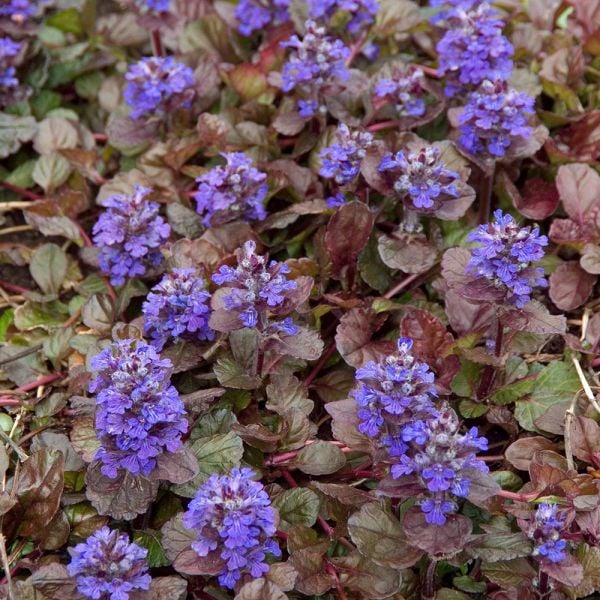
(545, 532)
(18, 10)
(361, 13)
(158, 85)
(178, 308)
(255, 15)
(315, 61)
(405, 90)
(8, 79)
(108, 566)
(256, 289)
(341, 161)
(139, 415)
(232, 191)
(494, 119)
(441, 459)
(129, 235)
(473, 49)
(232, 515)
(420, 178)
(393, 394)
(504, 256)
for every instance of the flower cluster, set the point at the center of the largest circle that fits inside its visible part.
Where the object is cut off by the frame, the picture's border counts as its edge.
(361, 13)
(473, 49)
(341, 161)
(139, 414)
(157, 86)
(9, 83)
(18, 10)
(235, 190)
(179, 308)
(256, 289)
(391, 395)
(495, 118)
(315, 61)
(441, 458)
(545, 532)
(254, 15)
(420, 177)
(504, 255)
(232, 514)
(108, 565)
(405, 90)
(129, 235)
(158, 5)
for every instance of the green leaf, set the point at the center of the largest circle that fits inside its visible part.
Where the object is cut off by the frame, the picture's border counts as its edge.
(46, 316)
(43, 102)
(285, 393)
(51, 171)
(471, 410)
(6, 319)
(68, 20)
(151, 541)
(514, 391)
(14, 131)
(216, 454)
(372, 269)
(298, 506)
(48, 267)
(22, 175)
(558, 382)
(379, 536)
(320, 458)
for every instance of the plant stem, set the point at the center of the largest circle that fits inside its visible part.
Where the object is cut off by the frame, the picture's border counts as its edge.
(157, 47)
(324, 358)
(429, 580)
(485, 196)
(520, 497)
(400, 286)
(355, 49)
(21, 191)
(489, 373)
(383, 125)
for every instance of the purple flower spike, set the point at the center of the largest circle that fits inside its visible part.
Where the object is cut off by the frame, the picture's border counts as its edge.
(473, 49)
(8, 79)
(441, 458)
(315, 61)
(139, 415)
(157, 86)
(392, 395)
(257, 288)
(255, 15)
(545, 532)
(236, 190)
(129, 235)
(405, 90)
(107, 565)
(178, 308)
(361, 13)
(341, 161)
(19, 10)
(504, 254)
(495, 118)
(232, 515)
(421, 178)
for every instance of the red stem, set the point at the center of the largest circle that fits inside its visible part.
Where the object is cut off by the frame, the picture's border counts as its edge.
(518, 495)
(355, 49)
(338, 585)
(324, 358)
(32, 385)
(157, 47)
(21, 191)
(11, 287)
(403, 284)
(383, 125)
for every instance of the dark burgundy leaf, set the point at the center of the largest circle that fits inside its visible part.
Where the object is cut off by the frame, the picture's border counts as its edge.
(570, 286)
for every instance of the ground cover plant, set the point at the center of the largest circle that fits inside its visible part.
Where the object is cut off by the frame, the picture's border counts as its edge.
(298, 299)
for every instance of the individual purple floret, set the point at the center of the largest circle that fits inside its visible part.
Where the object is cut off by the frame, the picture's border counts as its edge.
(441, 459)
(452, 7)
(255, 15)
(494, 119)
(129, 235)
(159, 5)
(139, 415)
(473, 49)
(232, 515)
(405, 90)
(361, 13)
(178, 308)
(421, 178)
(504, 255)
(233, 191)
(256, 289)
(108, 566)
(545, 532)
(341, 161)
(157, 86)
(393, 394)
(315, 61)
(337, 200)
